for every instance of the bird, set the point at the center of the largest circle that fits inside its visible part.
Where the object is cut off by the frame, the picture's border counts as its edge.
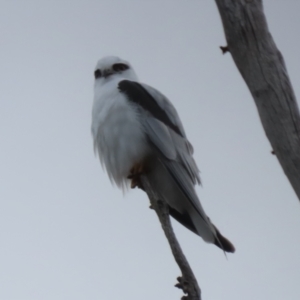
(137, 131)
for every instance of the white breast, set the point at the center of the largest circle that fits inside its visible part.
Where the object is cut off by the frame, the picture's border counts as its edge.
(118, 136)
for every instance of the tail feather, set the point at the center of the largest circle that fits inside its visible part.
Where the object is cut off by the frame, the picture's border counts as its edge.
(170, 181)
(223, 243)
(220, 241)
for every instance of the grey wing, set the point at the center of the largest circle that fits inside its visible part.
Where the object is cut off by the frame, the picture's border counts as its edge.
(174, 176)
(162, 125)
(170, 110)
(171, 146)
(173, 172)
(166, 139)
(166, 105)
(174, 152)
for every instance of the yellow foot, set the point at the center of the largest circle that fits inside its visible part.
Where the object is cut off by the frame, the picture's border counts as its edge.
(134, 175)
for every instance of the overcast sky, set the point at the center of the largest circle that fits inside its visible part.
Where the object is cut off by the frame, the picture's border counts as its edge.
(65, 231)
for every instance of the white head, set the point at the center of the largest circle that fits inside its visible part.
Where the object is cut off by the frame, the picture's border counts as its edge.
(112, 67)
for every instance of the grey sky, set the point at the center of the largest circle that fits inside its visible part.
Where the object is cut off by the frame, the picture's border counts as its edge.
(65, 232)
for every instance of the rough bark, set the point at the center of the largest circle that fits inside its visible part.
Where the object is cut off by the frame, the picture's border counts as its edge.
(263, 69)
(187, 282)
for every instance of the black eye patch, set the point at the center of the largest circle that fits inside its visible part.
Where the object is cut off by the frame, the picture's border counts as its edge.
(120, 67)
(97, 73)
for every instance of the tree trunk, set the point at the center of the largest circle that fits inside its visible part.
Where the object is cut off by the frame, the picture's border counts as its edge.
(263, 69)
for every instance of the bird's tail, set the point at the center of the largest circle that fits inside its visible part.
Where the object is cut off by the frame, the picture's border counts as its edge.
(222, 242)
(171, 183)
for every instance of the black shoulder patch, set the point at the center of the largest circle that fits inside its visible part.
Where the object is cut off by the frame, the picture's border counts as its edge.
(137, 94)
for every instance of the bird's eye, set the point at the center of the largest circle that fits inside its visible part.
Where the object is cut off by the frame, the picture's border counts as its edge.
(97, 73)
(120, 67)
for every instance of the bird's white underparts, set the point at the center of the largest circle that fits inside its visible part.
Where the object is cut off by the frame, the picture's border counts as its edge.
(137, 130)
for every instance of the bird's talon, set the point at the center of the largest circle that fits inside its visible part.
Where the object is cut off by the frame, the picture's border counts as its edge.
(134, 182)
(134, 175)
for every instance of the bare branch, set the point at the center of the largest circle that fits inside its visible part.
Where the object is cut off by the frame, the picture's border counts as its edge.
(263, 69)
(187, 282)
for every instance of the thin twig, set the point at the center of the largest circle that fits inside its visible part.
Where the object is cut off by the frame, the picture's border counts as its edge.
(187, 282)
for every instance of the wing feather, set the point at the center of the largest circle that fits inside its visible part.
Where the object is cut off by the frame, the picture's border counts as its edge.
(160, 136)
(162, 125)
(167, 106)
(163, 128)
(173, 172)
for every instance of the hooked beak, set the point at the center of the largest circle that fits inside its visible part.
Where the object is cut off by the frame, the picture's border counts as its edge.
(107, 73)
